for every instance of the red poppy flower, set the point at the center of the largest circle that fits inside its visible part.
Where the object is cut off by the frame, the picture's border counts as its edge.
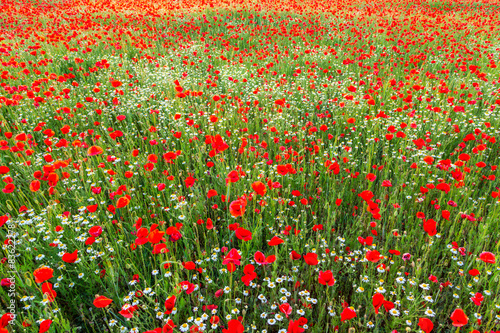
(366, 195)
(233, 177)
(420, 215)
(48, 291)
(233, 226)
(464, 157)
(280, 102)
(9, 188)
(170, 304)
(189, 265)
(168, 327)
(371, 177)
(232, 257)
(430, 227)
(443, 187)
(4, 170)
(395, 252)
(366, 241)
(459, 318)
(311, 259)
(477, 299)
(128, 311)
(377, 301)
(155, 236)
(275, 241)
(3, 219)
(160, 248)
(429, 159)
(487, 257)
(388, 306)
(122, 202)
(373, 256)
(174, 234)
(45, 326)
(259, 188)
(35, 186)
(102, 301)
(425, 325)
(142, 236)
(326, 278)
(317, 227)
(386, 183)
(282, 170)
(295, 256)
(95, 231)
(250, 274)
(294, 327)
(237, 207)
(286, 309)
(43, 274)
(234, 326)
(243, 234)
(6, 282)
(94, 150)
(6, 319)
(190, 181)
(89, 241)
(261, 259)
(21, 137)
(347, 314)
(70, 257)
(187, 286)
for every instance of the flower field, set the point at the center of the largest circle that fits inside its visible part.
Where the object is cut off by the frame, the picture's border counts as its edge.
(249, 166)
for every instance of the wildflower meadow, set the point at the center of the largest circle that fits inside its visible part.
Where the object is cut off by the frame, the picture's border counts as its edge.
(271, 166)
